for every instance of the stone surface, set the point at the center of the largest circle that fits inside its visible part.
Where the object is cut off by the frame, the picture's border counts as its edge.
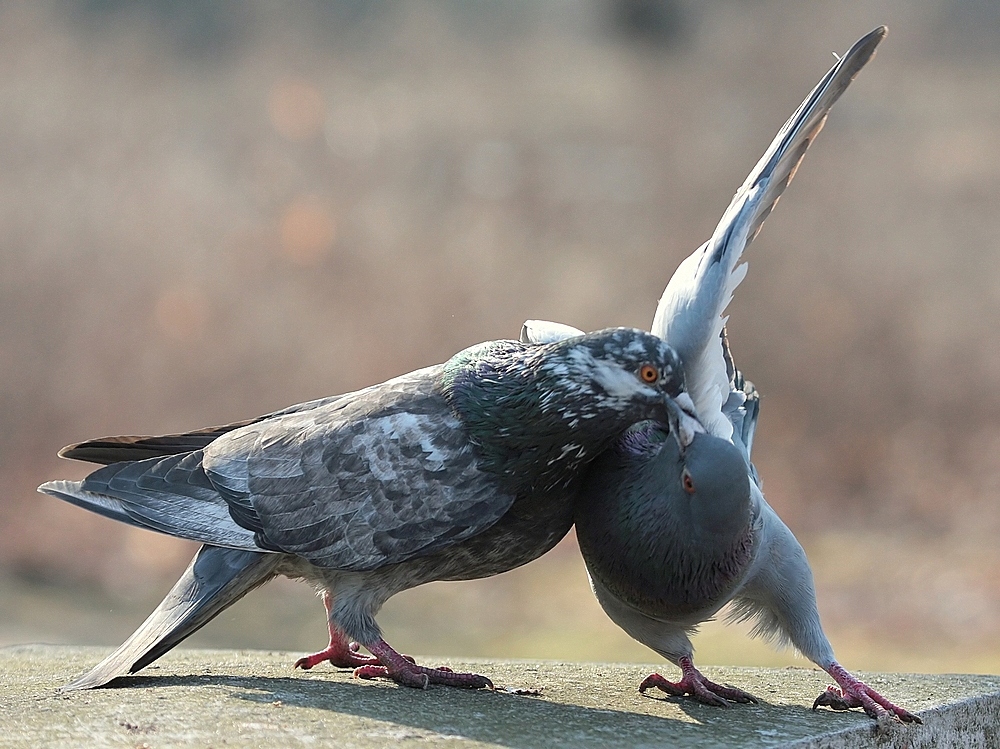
(224, 698)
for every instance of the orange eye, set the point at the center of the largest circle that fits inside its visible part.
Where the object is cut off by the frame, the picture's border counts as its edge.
(687, 482)
(649, 373)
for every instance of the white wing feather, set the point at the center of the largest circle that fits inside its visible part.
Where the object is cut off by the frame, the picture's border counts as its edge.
(542, 331)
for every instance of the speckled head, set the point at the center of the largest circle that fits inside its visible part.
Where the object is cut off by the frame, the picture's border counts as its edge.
(560, 404)
(613, 367)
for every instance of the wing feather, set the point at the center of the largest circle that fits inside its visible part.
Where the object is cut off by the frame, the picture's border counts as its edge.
(373, 482)
(108, 450)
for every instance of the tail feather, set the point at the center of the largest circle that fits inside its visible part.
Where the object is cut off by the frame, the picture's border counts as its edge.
(215, 579)
(72, 492)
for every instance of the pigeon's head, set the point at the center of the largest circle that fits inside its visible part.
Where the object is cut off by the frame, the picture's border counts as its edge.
(613, 372)
(538, 412)
(699, 480)
(709, 477)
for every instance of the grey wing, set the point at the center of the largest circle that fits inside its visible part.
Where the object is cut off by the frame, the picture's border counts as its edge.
(357, 491)
(215, 579)
(742, 407)
(157, 483)
(689, 315)
(354, 482)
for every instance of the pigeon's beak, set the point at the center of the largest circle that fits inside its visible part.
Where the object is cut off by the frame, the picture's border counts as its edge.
(684, 425)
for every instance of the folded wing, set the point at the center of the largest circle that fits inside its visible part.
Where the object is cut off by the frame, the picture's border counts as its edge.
(352, 483)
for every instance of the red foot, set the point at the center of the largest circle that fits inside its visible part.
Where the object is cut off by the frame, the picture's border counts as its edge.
(855, 693)
(694, 683)
(340, 652)
(402, 670)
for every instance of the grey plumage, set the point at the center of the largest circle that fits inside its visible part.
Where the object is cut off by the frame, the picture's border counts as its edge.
(456, 471)
(675, 527)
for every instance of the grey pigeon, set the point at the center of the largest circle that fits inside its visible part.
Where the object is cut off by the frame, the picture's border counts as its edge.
(457, 471)
(674, 526)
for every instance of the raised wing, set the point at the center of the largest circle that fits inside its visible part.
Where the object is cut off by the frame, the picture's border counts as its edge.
(690, 313)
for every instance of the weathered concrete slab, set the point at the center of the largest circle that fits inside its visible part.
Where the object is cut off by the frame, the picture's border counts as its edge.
(254, 699)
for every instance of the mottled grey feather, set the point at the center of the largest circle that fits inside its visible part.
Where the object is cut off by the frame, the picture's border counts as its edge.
(369, 483)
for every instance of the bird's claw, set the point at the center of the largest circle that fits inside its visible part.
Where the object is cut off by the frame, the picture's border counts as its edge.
(340, 652)
(833, 699)
(695, 685)
(420, 677)
(874, 705)
(854, 693)
(338, 657)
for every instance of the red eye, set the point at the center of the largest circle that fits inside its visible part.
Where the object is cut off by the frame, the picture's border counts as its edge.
(649, 373)
(687, 482)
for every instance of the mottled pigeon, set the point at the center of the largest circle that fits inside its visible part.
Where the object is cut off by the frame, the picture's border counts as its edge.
(673, 526)
(457, 471)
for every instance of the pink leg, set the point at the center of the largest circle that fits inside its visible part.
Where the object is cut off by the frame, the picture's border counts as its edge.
(403, 671)
(855, 693)
(693, 683)
(339, 652)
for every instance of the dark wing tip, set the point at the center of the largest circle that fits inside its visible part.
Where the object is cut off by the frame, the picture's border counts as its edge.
(108, 450)
(864, 49)
(90, 449)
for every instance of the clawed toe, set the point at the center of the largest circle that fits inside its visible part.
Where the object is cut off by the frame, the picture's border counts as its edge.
(835, 700)
(832, 699)
(338, 656)
(402, 670)
(695, 685)
(854, 693)
(421, 677)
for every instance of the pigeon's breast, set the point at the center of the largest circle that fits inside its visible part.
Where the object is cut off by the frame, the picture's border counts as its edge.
(645, 540)
(681, 581)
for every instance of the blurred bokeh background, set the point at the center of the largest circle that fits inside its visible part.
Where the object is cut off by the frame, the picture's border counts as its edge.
(211, 209)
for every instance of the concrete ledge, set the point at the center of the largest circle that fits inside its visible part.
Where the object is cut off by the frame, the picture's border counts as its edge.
(254, 698)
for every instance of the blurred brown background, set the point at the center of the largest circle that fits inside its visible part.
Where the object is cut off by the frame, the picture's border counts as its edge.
(210, 210)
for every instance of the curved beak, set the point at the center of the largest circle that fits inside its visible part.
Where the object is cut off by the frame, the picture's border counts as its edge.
(684, 425)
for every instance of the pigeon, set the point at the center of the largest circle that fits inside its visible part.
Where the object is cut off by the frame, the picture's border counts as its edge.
(456, 471)
(673, 525)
